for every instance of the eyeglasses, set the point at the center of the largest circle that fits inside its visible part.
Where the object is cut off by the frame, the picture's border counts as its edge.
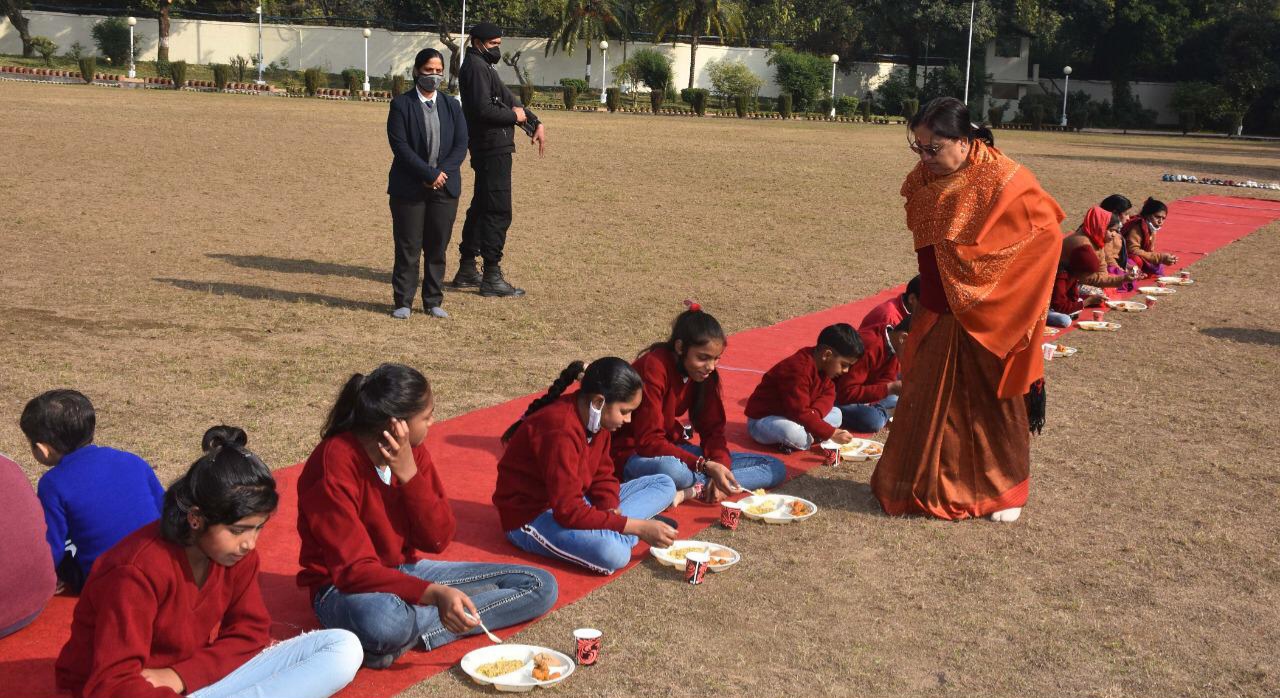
(932, 149)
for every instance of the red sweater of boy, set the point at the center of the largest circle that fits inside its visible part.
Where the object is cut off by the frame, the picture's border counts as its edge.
(868, 380)
(550, 464)
(141, 609)
(356, 530)
(795, 389)
(890, 312)
(668, 393)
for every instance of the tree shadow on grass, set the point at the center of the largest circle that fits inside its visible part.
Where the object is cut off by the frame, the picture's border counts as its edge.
(1233, 170)
(1192, 149)
(1246, 335)
(264, 293)
(303, 266)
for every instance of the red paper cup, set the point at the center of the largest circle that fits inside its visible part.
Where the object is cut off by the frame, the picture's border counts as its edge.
(830, 456)
(1186, 275)
(1097, 315)
(695, 567)
(730, 515)
(1160, 283)
(587, 645)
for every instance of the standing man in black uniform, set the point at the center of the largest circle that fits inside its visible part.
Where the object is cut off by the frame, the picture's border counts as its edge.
(492, 114)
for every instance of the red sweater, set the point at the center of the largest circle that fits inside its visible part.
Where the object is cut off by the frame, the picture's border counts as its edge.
(655, 430)
(355, 530)
(868, 380)
(26, 574)
(141, 609)
(549, 464)
(890, 312)
(796, 390)
(1080, 262)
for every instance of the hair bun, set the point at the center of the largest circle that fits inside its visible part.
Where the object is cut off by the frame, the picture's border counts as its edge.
(223, 435)
(692, 305)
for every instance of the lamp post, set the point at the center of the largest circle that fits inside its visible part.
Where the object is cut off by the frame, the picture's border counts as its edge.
(365, 86)
(1065, 84)
(261, 58)
(133, 72)
(604, 69)
(834, 60)
(968, 54)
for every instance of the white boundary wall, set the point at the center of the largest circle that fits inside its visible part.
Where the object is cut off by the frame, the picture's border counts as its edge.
(335, 48)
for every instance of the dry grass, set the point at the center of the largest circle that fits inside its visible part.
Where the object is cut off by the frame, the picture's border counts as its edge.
(188, 259)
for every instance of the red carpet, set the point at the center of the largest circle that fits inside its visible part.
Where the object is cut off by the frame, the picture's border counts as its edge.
(466, 449)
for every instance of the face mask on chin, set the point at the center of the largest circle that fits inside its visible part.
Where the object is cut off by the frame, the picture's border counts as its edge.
(593, 416)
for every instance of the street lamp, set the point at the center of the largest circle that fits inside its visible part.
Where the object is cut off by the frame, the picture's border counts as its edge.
(133, 72)
(261, 60)
(604, 69)
(968, 53)
(367, 33)
(1065, 84)
(834, 60)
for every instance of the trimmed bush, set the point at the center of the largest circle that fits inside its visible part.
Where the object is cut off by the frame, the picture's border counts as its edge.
(910, 107)
(654, 69)
(579, 86)
(740, 106)
(112, 37)
(398, 85)
(656, 98)
(612, 97)
(88, 66)
(697, 98)
(570, 94)
(44, 46)
(846, 106)
(995, 115)
(178, 71)
(311, 78)
(784, 106)
(824, 106)
(352, 79)
(526, 93)
(865, 108)
(221, 75)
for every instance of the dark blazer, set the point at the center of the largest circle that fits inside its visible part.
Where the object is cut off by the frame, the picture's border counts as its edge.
(488, 103)
(406, 132)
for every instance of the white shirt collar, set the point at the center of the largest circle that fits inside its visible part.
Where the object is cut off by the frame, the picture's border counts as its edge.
(422, 100)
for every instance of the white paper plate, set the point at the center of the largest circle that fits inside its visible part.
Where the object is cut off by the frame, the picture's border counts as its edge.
(1156, 291)
(780, 513)
(1098, 325)
(860, 450)
(1176, 280)
(1127, 306)
(663, 555)
(1064, 352)
(1052, 331)
(517, 681)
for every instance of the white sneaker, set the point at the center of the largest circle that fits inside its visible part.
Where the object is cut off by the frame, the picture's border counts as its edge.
(402, 313)
(1007, 515)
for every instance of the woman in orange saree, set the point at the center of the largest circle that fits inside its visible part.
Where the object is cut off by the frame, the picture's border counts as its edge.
(987, 239)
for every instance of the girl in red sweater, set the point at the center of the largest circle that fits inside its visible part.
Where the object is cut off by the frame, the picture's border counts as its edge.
(558, 494)
(680, 377)
(369, 498)
(175, 609)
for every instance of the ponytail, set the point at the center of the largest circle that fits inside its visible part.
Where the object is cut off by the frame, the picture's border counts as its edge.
(978, 132)
(693, 328)
(948, 117)
(567, 377)
(365, 403)
(224, 485)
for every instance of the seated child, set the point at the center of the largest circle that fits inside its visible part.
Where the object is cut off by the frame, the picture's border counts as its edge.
(369, 498)
(892, 311)
(680, 377)
(1140, 236)
(794, 404)
(1078, 264)
(25, 573)
(558, 494)
(92, 495)
(175, 608)
(868, 393)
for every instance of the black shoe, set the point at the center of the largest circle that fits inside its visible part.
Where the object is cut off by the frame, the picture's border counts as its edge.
(494, 286)
(468, 275)
(668, 521)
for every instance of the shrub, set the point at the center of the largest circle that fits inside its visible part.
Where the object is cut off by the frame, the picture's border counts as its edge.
(1035, 108)
(570, 94)
(240, 64)
(740, 106)
(76, 52)
(654, 69)
(44, 46)
(655, 100)
(865, 108)
(178, 71)
(162, 69)
(612, 97)
(311, 79)
(351, 79)
(526, 93)
(893, 92)
(1127, 110)
(398, 85)
(730, 78)
(112, 38)
(823, 106)
(697, 98)
(784, 106)
(909, 107)
(221, 75)
(1197, 103)
(88, 66)
(801, 75)
(846, 106)
(1232, 120)
(579, 86)
(995, 115)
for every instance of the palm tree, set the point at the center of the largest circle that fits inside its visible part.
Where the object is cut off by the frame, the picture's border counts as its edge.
(584, 20)
(697, 18)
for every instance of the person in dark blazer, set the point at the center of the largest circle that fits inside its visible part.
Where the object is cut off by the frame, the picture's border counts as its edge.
(428, 137)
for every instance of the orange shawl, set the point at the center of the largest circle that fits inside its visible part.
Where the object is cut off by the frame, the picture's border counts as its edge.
(996, 235)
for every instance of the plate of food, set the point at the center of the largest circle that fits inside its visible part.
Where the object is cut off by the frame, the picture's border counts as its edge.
(517, 668)
(722, 557)
(1176, 281)
(1156, 290)
(1098, 325)
(1062, 350)
(1052, 331)
(778, 508)
(861, 450)
(1127, 306)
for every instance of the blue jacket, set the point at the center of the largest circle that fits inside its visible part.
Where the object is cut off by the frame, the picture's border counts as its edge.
(94, 497)
(406, 132)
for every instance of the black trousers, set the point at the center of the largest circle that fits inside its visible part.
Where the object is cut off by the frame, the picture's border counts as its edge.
(484, 234)
(421, 228)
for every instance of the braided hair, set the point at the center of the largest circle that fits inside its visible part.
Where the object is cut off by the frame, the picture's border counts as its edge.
(610, 376)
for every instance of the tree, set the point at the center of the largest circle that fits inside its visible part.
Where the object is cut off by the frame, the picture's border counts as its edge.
(162, 8)
(13, 10)
(697, 18)
(801, 75)
(730, 79)
(583, 20)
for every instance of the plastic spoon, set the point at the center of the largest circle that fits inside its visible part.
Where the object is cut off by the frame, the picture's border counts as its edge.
(496, 640)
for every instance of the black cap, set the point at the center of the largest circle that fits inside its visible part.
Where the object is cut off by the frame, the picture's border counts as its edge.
(485, 31)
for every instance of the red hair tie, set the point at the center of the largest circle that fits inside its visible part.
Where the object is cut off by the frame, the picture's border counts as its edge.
(692, 306)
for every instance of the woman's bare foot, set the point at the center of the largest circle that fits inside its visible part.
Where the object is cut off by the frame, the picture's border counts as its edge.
(681, 495)
(1007, 515)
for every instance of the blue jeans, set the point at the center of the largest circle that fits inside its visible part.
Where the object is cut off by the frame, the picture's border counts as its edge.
(751, 470)
(1057, 319)
(780, 430)
(388, 626)
(598, 550)
(312, 665)
(868, 418)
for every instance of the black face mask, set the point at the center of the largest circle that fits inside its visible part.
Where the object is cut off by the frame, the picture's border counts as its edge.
(492, 55)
